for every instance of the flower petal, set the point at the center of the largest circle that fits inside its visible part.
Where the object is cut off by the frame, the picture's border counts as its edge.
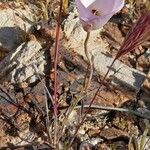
(96, 13)
(106, 6)
(96, 22)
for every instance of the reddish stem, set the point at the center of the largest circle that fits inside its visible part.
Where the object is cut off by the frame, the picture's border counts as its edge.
(92, 102)
(56, 59)
(55, 69)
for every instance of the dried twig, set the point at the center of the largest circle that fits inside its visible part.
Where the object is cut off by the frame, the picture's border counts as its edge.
(46, 102)
(117, 109)
(47, 91)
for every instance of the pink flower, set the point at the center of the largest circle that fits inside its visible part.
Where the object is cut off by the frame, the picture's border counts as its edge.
(94, 14)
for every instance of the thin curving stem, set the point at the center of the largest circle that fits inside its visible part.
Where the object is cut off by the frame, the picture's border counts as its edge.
(89, 58)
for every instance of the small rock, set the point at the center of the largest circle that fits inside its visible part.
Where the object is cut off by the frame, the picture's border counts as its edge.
(112, 133)
(14, 24)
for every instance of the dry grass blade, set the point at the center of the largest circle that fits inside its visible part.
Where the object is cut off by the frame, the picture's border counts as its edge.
(138, 34)
(65, 5)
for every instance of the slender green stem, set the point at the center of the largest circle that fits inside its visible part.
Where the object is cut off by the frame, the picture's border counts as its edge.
(100, 86)
(89, 58)
(87, 83)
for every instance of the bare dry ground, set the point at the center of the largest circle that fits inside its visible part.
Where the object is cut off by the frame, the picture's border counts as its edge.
(119, 117)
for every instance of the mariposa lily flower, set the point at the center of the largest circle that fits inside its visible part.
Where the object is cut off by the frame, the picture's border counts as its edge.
(94, 14)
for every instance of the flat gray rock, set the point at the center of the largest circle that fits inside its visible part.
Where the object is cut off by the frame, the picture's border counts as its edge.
(14, 23)
(18, 67)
